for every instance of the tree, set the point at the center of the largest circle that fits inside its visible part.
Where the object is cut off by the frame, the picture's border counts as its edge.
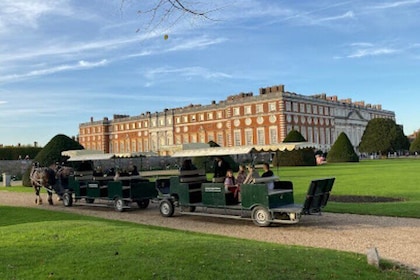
(164, 14)
(415, 145)
(301, 157)
(51, 153)
(383, 136)
(342, 150)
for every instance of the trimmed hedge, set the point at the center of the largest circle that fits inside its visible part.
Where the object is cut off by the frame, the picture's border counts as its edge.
(51, 153)
(342, 150)
(301, 157)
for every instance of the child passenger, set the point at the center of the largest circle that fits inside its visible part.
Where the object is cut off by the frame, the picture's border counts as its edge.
(230, 181)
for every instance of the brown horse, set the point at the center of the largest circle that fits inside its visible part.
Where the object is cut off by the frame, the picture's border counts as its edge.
(52, 180)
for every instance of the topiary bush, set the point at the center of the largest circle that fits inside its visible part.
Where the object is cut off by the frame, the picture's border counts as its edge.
(301, 157)
(51, 153)
(342, 150)
(415, 145)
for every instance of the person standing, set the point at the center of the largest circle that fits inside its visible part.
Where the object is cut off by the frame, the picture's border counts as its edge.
(220, 167)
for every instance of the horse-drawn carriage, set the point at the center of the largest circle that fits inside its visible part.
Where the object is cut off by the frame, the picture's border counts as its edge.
(120, 190)
(192, 190)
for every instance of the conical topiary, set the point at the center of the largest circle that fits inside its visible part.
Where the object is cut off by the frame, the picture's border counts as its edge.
(342, 150)
(51, 153)
(301, 157)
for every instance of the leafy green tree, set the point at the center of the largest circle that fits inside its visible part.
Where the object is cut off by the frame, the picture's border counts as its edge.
(301, 157)
(383, 136)
(342, 150)
(415, 145)
(51, 153)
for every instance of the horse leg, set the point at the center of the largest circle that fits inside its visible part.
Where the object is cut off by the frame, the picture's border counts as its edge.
(38, 199)
(50, 200)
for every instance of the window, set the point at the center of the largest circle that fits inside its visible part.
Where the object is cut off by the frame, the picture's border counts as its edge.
(272, 106)
(178, 119)
(310, 135)
(260, 136)
(133, 125)
(220, 139)
(127, 126)
(247, 110)
(219, 114)
(315, 109)
(161, 122)
(169, 120)
(210, 116)
(236, 111)
(139, 124)
(308, 108)
(321, 110)
(273, 135)
(210, 136)
(185, 119)
(295, 107)
(201, 117)
(185, 139)
(288, 106)
(193, 118)
(237, 137)
(259, 108)
(302, 108)
(249, 139)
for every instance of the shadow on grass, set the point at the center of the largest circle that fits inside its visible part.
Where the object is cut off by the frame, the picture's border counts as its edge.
(20, 215)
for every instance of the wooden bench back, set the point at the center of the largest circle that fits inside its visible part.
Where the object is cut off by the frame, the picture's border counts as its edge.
(317, 195)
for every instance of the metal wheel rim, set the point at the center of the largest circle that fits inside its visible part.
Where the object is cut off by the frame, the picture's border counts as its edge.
(119, 204)
(165, 208)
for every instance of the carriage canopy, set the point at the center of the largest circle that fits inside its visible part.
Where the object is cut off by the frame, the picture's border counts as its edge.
(240, 150)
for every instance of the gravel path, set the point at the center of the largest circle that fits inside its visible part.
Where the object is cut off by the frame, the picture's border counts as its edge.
(396, 239)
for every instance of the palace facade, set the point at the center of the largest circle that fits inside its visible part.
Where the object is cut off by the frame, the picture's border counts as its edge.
(242, 119)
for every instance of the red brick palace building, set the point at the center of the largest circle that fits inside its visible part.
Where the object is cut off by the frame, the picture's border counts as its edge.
(241, 119)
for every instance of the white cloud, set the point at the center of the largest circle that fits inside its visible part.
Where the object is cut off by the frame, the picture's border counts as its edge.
(347, 15)
(396, 4)
(372, 52)
(46, 71)
(27, 13)
(186, 72)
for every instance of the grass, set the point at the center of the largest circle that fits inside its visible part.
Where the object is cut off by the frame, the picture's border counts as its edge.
(40, 244)
(397, 178)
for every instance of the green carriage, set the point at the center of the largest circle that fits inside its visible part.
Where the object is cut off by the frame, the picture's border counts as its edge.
(119, 191)
(191, 190)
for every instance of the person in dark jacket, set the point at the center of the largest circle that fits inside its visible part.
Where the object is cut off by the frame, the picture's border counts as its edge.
(220, 167)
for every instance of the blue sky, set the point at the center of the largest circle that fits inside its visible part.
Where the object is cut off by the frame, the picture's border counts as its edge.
(64, 61)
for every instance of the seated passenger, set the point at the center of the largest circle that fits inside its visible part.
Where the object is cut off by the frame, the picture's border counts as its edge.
(252, 174)
(268, 173)
(230, 181)
(134, 171)
(188, 165)
(240, 178)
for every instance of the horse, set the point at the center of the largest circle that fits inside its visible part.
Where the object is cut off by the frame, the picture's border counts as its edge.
(51, 179)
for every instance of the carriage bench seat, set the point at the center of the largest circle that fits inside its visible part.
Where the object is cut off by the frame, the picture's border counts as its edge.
(83, 175)
(265, 180)
(192, 176)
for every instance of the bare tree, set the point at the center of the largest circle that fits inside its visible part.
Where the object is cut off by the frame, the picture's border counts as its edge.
(164, 14)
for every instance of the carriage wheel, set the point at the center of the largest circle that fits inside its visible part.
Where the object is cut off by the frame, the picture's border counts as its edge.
(119, 204)
(261, 216)
(166, 208)
(67, 200)
(143, 203)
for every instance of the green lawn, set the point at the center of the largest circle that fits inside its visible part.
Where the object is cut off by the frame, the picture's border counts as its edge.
(40, 244)
(389, 178)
